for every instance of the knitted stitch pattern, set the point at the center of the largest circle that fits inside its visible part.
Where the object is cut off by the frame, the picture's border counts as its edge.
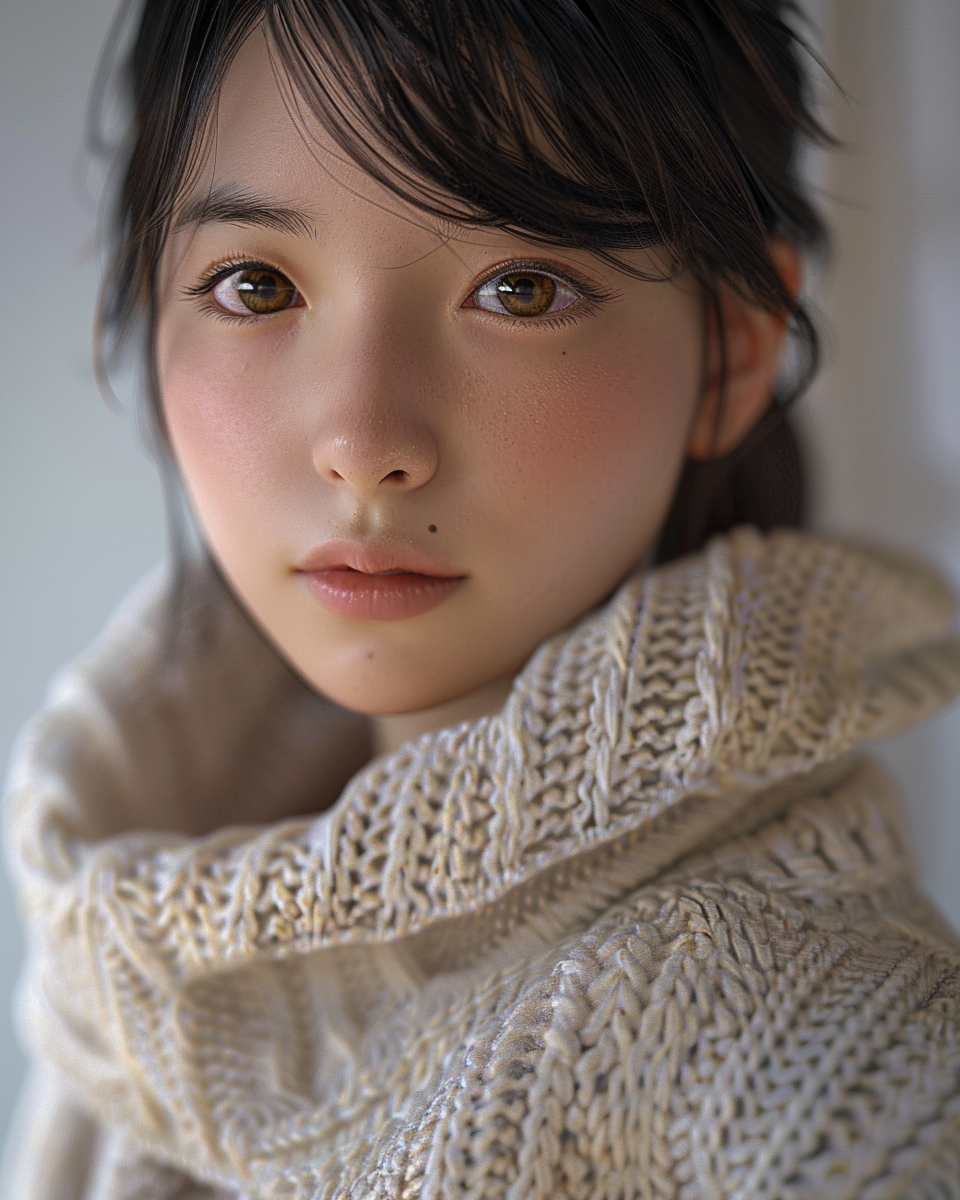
(652, 931)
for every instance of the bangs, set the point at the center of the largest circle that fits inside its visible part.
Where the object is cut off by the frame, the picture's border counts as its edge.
(471, 113)
(479, 114)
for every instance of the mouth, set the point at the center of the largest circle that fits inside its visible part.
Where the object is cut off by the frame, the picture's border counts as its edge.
(384, 583)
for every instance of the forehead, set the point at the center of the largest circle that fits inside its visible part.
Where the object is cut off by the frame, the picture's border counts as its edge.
(258, 135)
(264, 149)
(263, 142)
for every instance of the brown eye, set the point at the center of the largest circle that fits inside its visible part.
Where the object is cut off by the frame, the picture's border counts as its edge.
(257, 290)
(524, 294)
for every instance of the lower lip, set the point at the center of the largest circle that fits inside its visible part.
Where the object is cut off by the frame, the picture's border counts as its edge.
(378, 597)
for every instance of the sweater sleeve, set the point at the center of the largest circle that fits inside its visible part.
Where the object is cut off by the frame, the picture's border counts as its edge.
(776, 1019)
(830, 1071)
(57, 1151)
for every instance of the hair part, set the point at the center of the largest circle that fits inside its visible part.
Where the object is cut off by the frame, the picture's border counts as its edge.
(602, 125)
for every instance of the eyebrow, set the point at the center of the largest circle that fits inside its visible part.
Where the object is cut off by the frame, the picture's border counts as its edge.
(234, 206)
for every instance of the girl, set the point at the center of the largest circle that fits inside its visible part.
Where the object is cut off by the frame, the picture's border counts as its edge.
(440, 824)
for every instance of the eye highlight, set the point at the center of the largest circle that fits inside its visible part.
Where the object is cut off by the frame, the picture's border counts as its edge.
(248, 289)
(531, 290)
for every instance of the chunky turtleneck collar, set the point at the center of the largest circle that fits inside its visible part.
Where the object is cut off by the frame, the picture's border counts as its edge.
(697, 686)
(690, 706)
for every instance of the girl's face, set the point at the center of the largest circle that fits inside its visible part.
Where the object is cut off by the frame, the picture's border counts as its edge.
(352, 388)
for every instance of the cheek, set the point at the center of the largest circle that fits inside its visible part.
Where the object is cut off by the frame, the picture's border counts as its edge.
(597, 431)
(229, 432)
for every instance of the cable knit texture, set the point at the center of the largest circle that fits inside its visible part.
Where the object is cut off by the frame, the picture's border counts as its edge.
(652, 931)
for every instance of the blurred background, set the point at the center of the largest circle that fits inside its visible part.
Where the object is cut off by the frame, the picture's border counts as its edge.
(80, 516)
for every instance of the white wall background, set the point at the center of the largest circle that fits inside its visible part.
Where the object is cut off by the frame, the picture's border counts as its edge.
(80, 516)
(883, 423)
(79, 510)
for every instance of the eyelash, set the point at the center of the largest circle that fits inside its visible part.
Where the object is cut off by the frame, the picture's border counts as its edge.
(591, 296)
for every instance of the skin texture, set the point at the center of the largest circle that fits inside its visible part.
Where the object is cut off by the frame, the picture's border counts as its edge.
(545, 451)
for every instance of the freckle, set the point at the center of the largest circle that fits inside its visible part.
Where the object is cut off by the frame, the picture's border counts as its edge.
(432, 528)
(369, 654)
(563, 351)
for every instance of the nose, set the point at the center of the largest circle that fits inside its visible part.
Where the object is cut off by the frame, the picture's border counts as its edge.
(370, 460)
(375, 439)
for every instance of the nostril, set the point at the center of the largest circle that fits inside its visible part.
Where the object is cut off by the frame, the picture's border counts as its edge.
(397, 476)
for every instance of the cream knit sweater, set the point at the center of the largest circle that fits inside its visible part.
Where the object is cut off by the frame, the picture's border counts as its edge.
(652, 931)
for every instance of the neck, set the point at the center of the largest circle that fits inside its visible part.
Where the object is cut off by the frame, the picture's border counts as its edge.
(392, 730)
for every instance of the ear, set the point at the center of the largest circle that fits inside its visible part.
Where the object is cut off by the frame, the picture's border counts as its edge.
(753, 340)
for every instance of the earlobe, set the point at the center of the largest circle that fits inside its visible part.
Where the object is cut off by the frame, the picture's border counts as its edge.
(749, 359)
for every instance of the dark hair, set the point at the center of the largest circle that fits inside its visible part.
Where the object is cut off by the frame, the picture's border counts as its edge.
(606, 125)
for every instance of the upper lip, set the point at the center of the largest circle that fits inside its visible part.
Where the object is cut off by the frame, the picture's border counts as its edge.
(341, 554)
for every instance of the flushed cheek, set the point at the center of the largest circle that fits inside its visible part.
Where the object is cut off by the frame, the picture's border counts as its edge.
(604, 438)
(231, 433)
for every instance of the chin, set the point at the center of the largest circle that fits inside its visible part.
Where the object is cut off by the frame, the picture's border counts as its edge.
(378, 693)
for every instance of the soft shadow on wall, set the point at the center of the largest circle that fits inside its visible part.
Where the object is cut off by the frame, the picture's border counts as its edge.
(883, 423)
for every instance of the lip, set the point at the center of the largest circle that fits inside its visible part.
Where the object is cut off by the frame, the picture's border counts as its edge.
(348, 580)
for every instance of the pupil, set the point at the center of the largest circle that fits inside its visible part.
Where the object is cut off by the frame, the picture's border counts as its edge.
(524, 289)
(264, 287)
(264, 291)
(526, 295)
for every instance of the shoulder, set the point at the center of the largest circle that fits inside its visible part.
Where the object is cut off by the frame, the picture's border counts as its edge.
(780, 1019)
